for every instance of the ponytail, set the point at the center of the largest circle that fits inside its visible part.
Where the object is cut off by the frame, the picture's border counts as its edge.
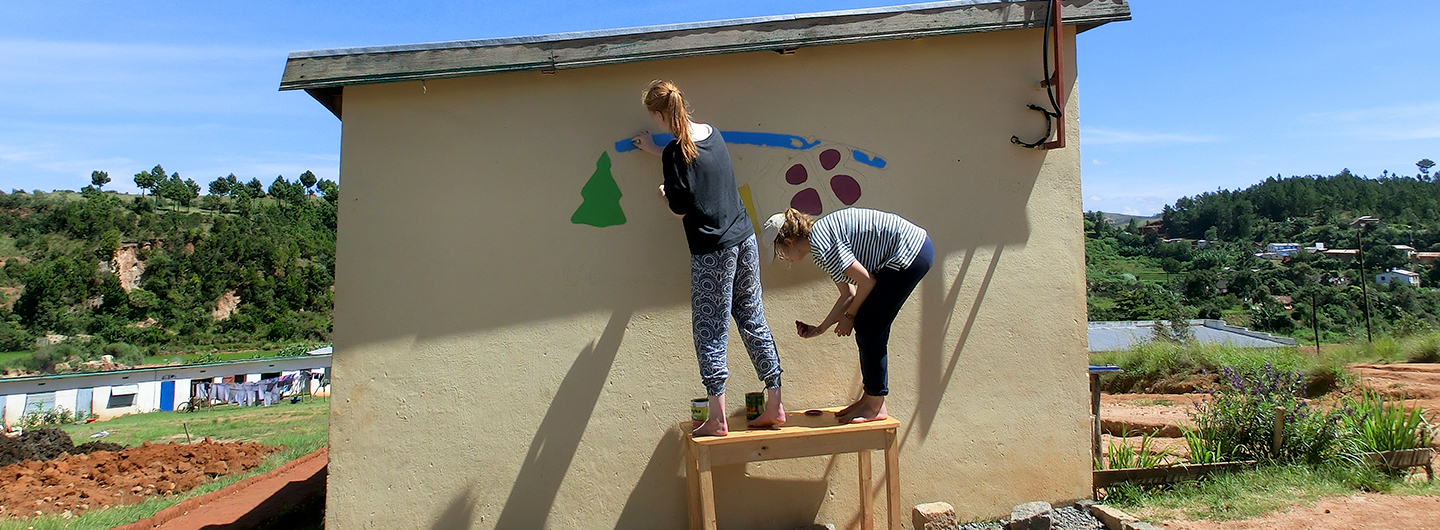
(797, 227)
(664, 97)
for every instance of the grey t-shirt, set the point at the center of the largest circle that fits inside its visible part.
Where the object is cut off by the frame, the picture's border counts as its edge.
(704, 192)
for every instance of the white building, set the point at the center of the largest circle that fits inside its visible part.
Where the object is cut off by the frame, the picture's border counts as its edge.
(1399, 276)
(120, 392)
(1282, 249)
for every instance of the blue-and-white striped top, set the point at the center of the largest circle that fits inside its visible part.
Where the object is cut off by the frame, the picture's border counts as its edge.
(878, 240)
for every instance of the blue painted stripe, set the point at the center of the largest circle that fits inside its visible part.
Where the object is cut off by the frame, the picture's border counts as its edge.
(761, 139)
(868, 159)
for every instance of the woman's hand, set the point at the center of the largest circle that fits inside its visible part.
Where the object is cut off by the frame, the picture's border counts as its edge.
(844, 326)
(808, 331)
(645, 142)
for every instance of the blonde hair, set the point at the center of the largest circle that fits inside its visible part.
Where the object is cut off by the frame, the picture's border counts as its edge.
(664, 97)
(797, 226)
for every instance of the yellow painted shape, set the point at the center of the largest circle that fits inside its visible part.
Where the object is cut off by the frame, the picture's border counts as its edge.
(750, 208)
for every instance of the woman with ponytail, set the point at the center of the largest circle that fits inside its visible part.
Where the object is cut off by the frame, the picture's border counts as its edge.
(876, 259)
(699, 188)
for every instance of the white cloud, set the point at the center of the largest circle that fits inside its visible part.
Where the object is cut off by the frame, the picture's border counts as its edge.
(1097, 162)
(1103, 136)
(1387, 123)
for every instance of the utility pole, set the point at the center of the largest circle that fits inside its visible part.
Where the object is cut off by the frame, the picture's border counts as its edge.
(1315, 320)
(1362, 222)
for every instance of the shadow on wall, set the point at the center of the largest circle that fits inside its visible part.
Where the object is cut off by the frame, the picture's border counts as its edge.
(559, 434)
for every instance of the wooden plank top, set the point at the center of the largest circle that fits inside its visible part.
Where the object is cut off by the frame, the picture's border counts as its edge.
(797, 425)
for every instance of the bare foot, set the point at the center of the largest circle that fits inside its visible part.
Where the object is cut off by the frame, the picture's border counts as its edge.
(716, 425)
(851, 408)
(711, 427)
(871, 408)
(774, 415)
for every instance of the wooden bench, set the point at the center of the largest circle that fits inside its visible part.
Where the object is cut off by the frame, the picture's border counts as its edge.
(801, 436)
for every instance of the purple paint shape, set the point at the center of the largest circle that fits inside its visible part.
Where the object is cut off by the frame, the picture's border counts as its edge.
(845, 188)
(808, 201)
(829, 159)
(796, 174)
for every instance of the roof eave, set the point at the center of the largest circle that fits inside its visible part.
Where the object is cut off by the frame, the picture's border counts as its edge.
(329, 69)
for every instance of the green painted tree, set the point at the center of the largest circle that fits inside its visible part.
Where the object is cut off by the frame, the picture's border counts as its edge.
(601, 205)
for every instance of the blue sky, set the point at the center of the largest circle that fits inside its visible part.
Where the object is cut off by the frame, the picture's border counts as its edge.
(1186, 98)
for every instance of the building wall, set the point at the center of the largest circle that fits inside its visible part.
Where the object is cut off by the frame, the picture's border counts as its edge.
(500, 366)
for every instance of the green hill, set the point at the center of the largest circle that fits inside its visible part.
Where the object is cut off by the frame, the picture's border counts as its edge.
(138, 275)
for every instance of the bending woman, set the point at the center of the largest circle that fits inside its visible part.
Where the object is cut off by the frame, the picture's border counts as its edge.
(876, 259)
(700, 189)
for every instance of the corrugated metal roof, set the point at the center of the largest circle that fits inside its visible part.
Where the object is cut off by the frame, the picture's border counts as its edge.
(327, 69)
(1121, 335)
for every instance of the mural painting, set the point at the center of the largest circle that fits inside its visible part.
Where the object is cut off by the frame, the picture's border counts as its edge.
(824, 176)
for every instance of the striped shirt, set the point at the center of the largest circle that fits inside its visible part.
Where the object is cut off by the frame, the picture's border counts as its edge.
(876, 239)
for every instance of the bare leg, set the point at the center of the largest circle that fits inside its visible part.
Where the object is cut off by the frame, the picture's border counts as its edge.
(774, 415)
(716, 425)
(869, 408)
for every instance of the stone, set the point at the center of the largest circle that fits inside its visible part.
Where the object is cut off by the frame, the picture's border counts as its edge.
(1138, 525)
(933, 516)
(1030, 516)
(1113, 518)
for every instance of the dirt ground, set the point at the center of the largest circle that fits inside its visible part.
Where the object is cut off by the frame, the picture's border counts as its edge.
(1366, 511)
(74, 483)
(1161, 414)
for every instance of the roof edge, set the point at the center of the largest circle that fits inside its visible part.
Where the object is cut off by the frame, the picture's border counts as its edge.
(331, 68)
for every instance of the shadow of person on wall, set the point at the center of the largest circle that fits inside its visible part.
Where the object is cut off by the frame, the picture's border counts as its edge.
(559, 434)
(937, 317)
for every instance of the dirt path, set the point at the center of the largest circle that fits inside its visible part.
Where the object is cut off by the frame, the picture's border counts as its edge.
(1366, 511)
(257, 503)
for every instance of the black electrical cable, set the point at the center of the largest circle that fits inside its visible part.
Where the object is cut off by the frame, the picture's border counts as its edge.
(1048, 77)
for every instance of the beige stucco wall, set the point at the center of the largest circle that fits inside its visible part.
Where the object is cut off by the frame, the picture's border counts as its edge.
(498, 366)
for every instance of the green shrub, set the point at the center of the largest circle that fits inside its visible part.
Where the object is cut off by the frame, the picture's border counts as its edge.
(1380, 424)
(1124, 456)
(1237, 423)
(36, 417)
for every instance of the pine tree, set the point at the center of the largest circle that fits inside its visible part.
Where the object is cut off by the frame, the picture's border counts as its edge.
(601, 205)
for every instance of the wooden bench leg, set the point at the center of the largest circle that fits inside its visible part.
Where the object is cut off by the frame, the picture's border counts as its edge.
(707, 490)
(867, 503)
(892, 478)
(692, 480)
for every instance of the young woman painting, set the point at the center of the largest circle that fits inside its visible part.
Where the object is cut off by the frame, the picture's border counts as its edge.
(876, 259)
(699, 188)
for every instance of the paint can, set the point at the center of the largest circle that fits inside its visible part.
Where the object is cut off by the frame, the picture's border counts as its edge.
(699, 411)
(754, 405)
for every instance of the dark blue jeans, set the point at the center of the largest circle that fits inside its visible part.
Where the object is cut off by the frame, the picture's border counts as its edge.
(872, 321)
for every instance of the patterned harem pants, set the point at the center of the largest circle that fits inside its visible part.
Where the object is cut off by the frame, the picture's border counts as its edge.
(722, 284)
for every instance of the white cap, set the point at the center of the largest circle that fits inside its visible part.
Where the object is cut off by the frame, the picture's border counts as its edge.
(768, 233)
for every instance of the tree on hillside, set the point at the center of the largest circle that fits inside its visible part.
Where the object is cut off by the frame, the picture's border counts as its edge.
(257, 190)
(1425, 165)
(221, 186)
(146, 180)
(329, 190)
(308, 180)
(99, 178)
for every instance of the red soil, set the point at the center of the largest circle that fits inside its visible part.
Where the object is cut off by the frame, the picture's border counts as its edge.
(75, 483)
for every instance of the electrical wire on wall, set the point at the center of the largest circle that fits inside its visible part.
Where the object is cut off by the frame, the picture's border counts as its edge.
(1051, 81)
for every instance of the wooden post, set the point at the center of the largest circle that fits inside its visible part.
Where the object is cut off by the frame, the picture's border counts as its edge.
(1279, 432)
(892, 478)
(1094, 417)
(867, 503)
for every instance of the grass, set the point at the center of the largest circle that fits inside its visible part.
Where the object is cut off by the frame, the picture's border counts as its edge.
(301, 428)
(12, 359)
(1150, 363)
(1263, 490)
